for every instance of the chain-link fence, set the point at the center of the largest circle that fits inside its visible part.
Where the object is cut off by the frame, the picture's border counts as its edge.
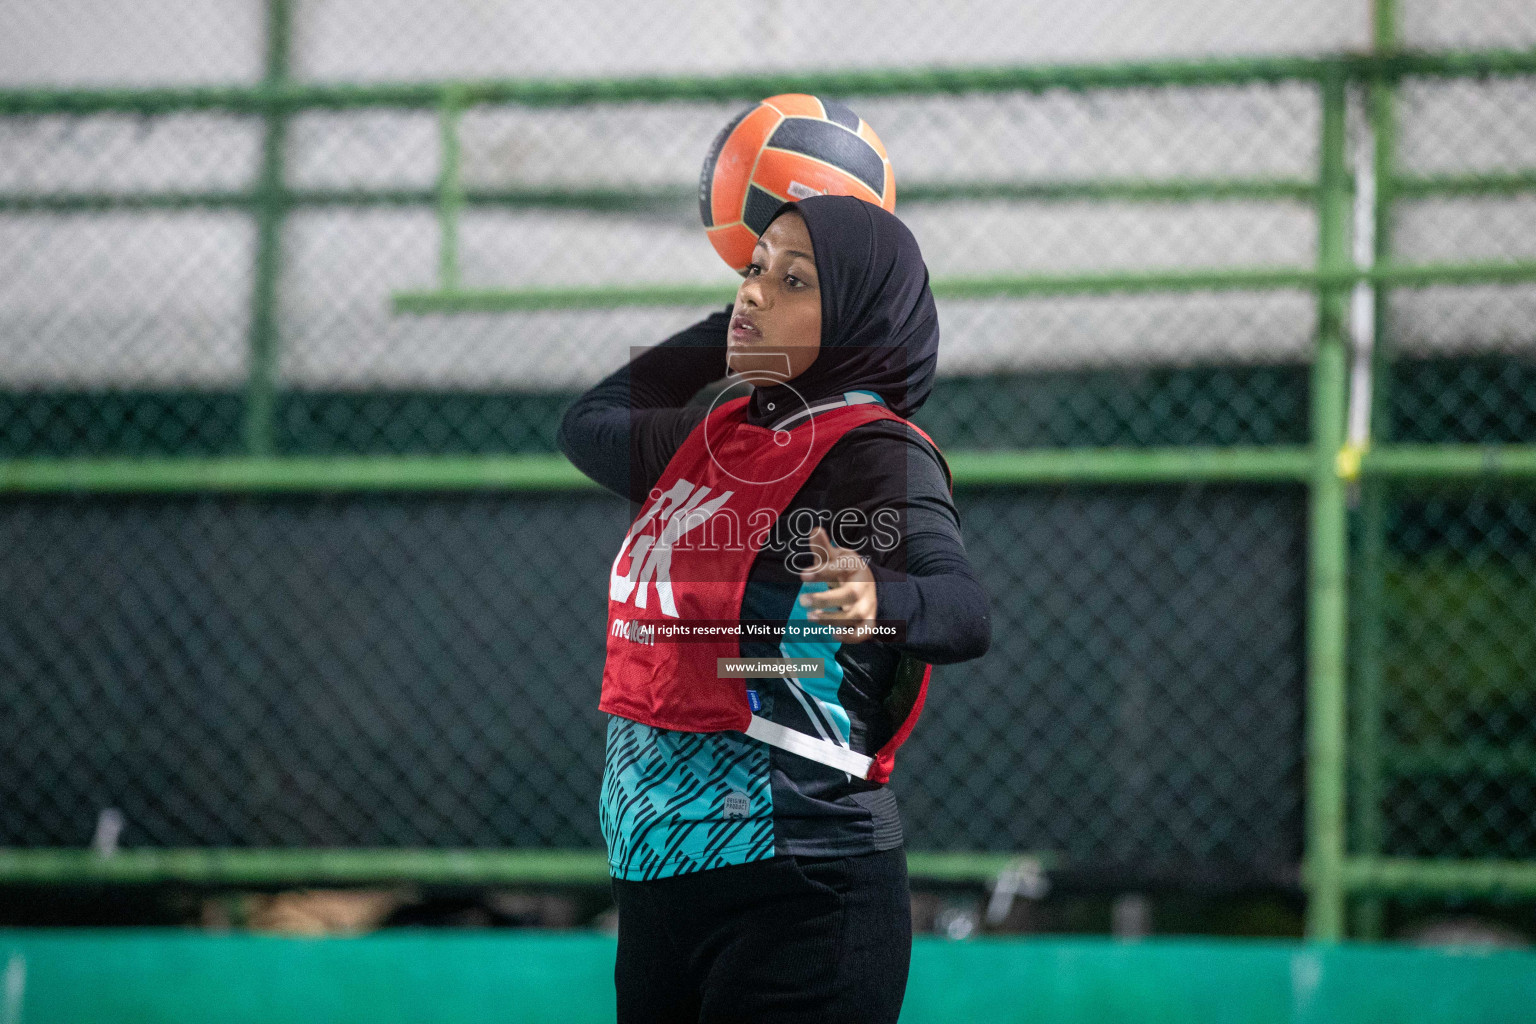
(1135, 405)
(414, 671)
(1443, 671)
(1446, 705)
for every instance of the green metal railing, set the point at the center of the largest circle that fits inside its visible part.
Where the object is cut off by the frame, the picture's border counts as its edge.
(477, 867)
(1328, 467)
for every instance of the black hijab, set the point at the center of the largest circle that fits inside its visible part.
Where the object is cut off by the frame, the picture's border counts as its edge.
(879, 326)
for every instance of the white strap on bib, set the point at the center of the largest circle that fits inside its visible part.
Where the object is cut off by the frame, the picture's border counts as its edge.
(847, 398)
(817, 749)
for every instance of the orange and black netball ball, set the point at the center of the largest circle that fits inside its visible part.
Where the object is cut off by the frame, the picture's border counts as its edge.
(787, 147)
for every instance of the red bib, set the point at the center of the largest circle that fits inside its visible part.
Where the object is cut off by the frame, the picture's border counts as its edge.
(685, 560)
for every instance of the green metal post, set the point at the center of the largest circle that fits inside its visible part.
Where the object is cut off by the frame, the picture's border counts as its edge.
(1327, 550)
(271, 205)
(1367, 708)
(450, 193)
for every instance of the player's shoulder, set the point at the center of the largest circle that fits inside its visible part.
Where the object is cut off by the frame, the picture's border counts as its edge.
(896, 431)
(884, 440)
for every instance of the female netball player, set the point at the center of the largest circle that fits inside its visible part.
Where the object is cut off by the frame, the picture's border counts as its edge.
(756, 853)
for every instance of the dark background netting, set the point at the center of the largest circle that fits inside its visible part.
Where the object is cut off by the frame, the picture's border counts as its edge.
(422, 671)
(1444, 699)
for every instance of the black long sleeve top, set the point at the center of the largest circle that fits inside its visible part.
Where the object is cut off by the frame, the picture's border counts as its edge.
(624, 431)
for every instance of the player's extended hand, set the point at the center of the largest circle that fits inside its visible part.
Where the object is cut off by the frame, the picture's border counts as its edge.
(849, 599)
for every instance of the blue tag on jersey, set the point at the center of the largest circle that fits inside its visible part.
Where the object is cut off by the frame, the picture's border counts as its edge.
(754, 700)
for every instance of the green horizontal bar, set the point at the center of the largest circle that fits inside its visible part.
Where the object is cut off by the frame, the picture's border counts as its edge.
(1451, 877)
(1125, 282)
(509, 472)
(96, 202)
(1512, 183)
(553, 472)
(1455, 759)
(621, 200)
(1131, 465)
(1450, 461)
(973, 867)
(500, 867)
(540, 472)
(906, 81)
(598, 199)
(1182, 190)
(919, 192)
(1467, 64)
(582, 199)
(492, 300)
(662, 89)
(1421, 275)
(665, 197)
(260, 867)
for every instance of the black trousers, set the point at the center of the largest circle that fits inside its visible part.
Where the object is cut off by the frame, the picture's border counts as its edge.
(788, 939)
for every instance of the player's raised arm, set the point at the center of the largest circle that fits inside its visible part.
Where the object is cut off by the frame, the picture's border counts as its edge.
(622, 431)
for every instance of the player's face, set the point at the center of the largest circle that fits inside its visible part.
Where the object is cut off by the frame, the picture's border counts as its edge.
(775, 328)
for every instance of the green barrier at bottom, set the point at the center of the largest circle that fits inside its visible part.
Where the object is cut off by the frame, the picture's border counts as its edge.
(170, 977)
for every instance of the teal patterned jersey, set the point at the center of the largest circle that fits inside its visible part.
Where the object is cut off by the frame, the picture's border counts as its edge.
(677, 802)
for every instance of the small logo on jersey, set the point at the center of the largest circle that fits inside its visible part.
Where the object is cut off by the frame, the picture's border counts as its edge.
(634, 631)
(754, 700)
(736, 804)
